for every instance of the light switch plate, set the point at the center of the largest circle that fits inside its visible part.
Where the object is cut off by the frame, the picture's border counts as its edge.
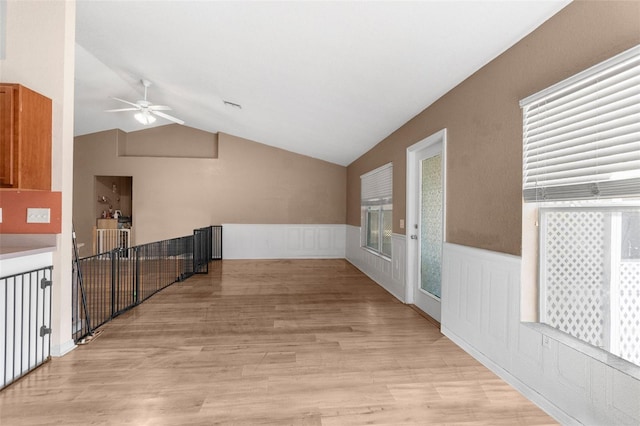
(38, 215)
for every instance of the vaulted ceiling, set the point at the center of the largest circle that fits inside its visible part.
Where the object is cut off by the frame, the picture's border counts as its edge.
(324, 79)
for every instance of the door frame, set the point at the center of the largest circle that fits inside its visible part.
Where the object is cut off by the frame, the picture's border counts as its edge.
(412, 214)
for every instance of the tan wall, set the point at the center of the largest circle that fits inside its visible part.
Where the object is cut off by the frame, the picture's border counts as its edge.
(248, 183)
(172, 140)
(484, 123)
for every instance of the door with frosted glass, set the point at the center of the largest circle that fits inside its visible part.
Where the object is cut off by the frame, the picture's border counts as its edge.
(429, 230)
(431, 225)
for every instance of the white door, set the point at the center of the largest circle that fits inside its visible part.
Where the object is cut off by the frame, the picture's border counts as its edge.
(425, 222)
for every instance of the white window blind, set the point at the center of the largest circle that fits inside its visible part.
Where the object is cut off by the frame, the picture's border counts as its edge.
(377, 186)
(582, 135)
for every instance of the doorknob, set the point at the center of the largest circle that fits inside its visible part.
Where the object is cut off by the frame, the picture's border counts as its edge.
(414, 237)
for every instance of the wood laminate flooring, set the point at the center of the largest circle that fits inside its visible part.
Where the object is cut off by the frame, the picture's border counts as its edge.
(285, 342)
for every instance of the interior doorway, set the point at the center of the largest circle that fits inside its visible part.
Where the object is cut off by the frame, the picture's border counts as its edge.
(113, 213)
(426, 193)
(114, 194)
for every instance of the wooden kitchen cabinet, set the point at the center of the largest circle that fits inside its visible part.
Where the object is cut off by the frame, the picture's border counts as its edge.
(25, 138)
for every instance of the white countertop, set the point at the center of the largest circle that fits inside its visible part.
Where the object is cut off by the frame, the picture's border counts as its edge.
(19, 245)
(10, 252)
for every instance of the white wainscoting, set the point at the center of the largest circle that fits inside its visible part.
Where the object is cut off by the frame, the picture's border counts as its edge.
(387, 273)
(256, 241)
(481, 313)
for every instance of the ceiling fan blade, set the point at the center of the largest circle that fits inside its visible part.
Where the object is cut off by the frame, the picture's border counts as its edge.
(159, 108)
(168, 117)
(127, 102)
(121, 109)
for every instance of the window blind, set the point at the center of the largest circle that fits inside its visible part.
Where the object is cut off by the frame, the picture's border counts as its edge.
(377, 186)
(582, 136)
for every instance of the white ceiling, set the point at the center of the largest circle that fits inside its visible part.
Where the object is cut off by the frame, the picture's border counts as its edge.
(324, 79)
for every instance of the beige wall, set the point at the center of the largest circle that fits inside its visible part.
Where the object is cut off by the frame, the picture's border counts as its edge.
(248, 183)
(484, 123)
(172, 140)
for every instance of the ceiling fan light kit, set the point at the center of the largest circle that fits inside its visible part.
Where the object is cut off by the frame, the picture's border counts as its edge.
(146, 111)
(144, 118)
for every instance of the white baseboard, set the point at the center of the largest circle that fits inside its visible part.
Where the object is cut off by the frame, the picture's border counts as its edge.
(481, 314)
(63, 349)
(388, 273)
(551, 409)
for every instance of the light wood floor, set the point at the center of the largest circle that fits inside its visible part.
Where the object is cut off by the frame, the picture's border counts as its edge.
(309, 342)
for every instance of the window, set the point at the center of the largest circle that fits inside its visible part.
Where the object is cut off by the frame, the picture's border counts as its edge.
(376, 202)
(590, 285)
(581, 168)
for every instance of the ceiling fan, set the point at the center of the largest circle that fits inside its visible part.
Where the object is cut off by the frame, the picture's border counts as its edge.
(145, 109)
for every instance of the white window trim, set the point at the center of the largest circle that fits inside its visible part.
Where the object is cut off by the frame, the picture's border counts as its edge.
(582, 135)
(530, 246)
(364, 233)
(378, 194)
